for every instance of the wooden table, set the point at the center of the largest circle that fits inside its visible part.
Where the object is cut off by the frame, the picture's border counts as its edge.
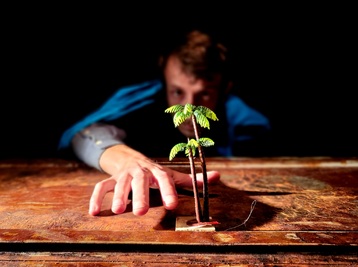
(306, 213)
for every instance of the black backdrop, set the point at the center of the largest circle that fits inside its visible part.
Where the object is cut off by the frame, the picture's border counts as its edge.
(296, 68)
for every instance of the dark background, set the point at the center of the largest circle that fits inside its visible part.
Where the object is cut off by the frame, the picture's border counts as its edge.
(294, 64)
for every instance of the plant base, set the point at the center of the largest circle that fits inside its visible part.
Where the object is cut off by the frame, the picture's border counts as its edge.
(189, 223)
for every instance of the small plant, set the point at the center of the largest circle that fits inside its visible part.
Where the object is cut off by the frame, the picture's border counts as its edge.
(198, 115)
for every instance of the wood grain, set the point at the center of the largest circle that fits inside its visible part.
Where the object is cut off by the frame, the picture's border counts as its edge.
(305, 212)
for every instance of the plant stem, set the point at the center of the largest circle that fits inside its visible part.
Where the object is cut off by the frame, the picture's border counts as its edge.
(198, 212)
(206, 217)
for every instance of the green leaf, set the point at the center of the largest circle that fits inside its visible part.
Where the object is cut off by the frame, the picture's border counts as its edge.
(205, 141)
(201, 119)
(174, 108)
(176, 149)
(193, 143)
(207, 113)
(180, 117)
(188, 149)
(188, 109)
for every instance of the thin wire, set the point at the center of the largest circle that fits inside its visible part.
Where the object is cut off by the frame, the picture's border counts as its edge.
(253, 204)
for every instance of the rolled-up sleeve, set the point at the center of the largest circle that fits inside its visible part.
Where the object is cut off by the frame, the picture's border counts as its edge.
(91, 142)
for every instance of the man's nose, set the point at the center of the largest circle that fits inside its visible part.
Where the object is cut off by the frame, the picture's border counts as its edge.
(194, 99)
(190, 99)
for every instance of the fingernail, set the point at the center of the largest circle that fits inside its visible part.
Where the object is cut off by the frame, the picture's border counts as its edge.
(118, 206)
(170, 201)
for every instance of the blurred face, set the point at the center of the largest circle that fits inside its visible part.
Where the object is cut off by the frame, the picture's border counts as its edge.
(183, 88)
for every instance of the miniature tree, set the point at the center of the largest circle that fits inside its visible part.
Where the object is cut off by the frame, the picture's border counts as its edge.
(199, 115)
(190, 150)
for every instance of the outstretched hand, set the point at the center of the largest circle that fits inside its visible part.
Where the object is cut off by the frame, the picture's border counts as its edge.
(132, 171)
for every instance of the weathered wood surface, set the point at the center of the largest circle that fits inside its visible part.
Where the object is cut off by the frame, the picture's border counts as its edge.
(306, 212)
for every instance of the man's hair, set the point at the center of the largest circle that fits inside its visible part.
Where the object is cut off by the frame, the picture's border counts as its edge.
(200, 54)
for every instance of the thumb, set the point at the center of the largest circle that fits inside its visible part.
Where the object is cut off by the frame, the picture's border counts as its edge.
(185, 180)
(213, 177)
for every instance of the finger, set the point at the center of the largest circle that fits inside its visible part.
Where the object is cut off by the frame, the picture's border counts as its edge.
(164, 178)
(213, 177)
(185, 180)
(140, 192)
(99, 191)
(120, 196)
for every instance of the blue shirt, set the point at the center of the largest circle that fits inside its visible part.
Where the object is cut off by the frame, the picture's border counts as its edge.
(238, 124)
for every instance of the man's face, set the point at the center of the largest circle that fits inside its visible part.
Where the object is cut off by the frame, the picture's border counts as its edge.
(183, 88)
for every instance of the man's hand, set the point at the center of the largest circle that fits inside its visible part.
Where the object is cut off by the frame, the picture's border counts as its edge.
(132, 171)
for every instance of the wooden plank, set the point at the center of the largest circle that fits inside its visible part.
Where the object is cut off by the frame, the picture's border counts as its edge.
(54, 196)
(298, 206)
(110, 258)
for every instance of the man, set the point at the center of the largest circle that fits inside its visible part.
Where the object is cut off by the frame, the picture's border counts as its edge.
(123, 135)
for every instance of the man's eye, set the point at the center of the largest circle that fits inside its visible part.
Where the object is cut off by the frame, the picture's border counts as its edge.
(177, 92)
(205, 95)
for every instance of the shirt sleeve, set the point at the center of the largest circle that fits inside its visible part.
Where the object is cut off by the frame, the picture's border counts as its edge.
(126, 100)
(89, 143)
(248, 129)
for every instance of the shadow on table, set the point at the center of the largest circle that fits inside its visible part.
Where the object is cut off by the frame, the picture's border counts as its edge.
(234, 209)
